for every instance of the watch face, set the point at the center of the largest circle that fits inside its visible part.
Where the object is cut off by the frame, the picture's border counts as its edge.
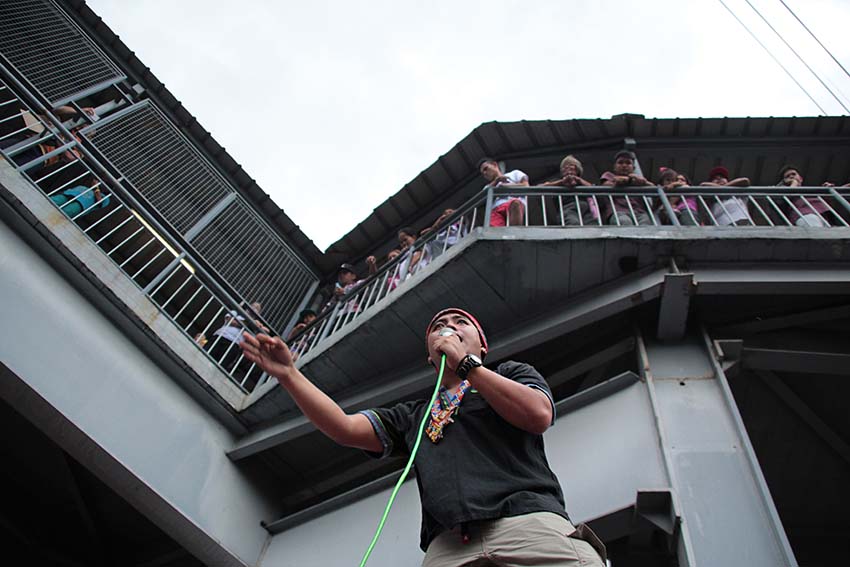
(475, 359)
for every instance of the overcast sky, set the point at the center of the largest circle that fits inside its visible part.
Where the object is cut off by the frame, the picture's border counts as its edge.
(333, 106)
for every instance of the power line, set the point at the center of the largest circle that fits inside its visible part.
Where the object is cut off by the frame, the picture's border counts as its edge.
(815, 38)
(803, 61)
(787, 72)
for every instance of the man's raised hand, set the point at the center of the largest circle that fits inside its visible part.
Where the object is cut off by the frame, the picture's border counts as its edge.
(269, 353)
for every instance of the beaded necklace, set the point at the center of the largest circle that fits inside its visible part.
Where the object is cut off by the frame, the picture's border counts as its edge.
(444, 406)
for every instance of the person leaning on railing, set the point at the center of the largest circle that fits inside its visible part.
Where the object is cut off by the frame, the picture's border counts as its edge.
(347, 282)
(728, 211)
(299, 346)
(393, 276)
(571, 177)
(804, 211)
(445, 238)
(506, 210)
(412, 258)
(685, 208)
(627, 211)
(225, 348)
(80, 200)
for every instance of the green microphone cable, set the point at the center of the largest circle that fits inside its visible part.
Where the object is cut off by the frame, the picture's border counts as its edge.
(409, 463)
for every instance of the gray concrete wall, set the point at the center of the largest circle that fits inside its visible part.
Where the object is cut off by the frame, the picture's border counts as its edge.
(72, 372)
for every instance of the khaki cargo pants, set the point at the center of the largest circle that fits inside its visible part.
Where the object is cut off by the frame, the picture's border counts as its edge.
(539, 539)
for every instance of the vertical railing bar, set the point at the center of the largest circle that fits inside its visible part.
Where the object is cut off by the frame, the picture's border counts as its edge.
(108, 234)
(632, 213)
(164, 281)
(488, 208)
(747, 211)
(149, 262)
(189, 301)
(614, 210)
(202, 309)
(136, 253)
(764, 215)
(840, 198)
(814, 210)
(668, 207)
(834, 212)
(793, 207)
(54, 172)
(723, 206)
(140, 229)
(778, 210)
(543, 206)
(178, 290)
(62, 187)
(708, 210)
(647, 202)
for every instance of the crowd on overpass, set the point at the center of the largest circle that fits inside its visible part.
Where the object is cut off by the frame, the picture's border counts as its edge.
(605, 201)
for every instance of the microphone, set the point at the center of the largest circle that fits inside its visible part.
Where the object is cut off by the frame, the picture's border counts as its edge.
(447, 332)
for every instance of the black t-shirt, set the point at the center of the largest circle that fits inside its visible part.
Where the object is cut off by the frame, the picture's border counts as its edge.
(484, 468)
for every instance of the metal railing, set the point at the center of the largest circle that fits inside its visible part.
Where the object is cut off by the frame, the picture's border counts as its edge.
(58, 162)
(714, 207)
(394, 275)
(693, 208)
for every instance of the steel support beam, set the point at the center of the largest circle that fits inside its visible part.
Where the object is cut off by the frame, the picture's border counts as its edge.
(718, 487)
(772, 280)
(590, 363)
(806, 362)
(804, 412)
(675, 303)
(784, 321)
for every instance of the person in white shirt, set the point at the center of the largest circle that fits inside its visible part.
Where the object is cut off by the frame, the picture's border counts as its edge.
(730, 210)
(507, 210)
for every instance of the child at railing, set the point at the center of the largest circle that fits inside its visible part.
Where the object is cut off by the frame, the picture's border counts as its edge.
(393, 277)
(347, 282)
(225, 347)
(623, 210)
(413, 258)
(80, 200)
(729, 211)
(447, 237)
(685, 208)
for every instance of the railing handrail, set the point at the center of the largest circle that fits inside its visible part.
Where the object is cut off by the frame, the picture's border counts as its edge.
(115, 186)
(652, 190)
(464, 209)
(602, 193)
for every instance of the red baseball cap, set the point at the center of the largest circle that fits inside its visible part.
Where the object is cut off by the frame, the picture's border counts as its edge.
(466, 314)
(718, 170)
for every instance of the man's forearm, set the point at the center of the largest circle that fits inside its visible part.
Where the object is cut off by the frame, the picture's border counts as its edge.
(521, 406)
(327, 416)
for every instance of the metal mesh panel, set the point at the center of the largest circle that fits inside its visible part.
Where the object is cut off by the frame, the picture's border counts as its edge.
(256, 262)
(50, 51)
(149, 151)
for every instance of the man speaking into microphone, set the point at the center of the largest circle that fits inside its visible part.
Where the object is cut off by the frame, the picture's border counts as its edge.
(488, 495)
